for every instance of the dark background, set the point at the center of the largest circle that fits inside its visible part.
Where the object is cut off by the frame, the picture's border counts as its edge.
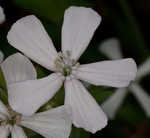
(128, 20)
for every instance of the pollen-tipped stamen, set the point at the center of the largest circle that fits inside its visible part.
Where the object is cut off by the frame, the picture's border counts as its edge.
(65, 64)
(12, 119)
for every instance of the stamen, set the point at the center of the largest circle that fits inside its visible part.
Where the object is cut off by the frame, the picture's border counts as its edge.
(18, 118)
(12, 119)
(76, 65)
(14, 116)
(60, 54)
(68, 53)
(11, 112)
(65, 64)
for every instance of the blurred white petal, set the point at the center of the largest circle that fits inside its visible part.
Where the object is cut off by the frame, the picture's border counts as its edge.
(17, 132)
(17, 68)
(4, 132)
(86, 113)
(142, 97)
(117, 73)
(1, 56)
(29, 36)
(26, 97)
(2, 15)
(112, 104)
(55, 123)
(2, 116)
(143, 69)
(111, 48)
(3, 111)
(78, 28)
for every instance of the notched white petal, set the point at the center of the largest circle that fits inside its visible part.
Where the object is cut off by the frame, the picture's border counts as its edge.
(78, 28)
(86, 113)
(29, 36)
(112, 104)
(117, 73)
(111, 48)
(17, 68)
(55, 123)
(17, 132)
(142, 97)
(26, 97)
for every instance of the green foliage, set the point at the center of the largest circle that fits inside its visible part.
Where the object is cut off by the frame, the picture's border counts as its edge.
(3, 89)
(2, 81)
(79, 133)
(53, 10)
(100, 93)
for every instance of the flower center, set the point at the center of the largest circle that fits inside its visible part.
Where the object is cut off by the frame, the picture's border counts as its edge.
(13, 119)
(65, 64)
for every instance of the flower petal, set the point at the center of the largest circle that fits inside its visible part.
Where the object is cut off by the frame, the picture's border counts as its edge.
(86, 113)
(33, 93)
(2, 15)
(1, 56)
(111, 48)
(17, 68)
(142, 97)
(2, 117)
(17, 132)
(143, 69)
(78, 28)
(112, 104)
(3, 111)
(29, 36)
(55, 123)
(116, 73)
(4, 132)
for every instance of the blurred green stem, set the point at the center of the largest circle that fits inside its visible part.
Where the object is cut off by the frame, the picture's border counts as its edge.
(3, 96)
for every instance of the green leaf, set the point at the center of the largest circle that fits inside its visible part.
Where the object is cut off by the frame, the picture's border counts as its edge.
(3, 96)
(100, 93)
(3, 89)
(2, 81)
(56, 101)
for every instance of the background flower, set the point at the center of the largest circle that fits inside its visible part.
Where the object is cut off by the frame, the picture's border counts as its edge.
(2, 15)
(111, 47)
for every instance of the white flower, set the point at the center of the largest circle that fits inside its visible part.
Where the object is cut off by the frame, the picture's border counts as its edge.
(29, 36)
(111, 48)
(2, 15)
(54, 123)
(1, 56)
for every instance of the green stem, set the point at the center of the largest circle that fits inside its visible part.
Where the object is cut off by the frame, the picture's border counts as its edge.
(3, 96)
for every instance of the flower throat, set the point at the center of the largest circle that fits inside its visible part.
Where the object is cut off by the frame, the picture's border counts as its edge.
(13, 119)
(65, 64)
